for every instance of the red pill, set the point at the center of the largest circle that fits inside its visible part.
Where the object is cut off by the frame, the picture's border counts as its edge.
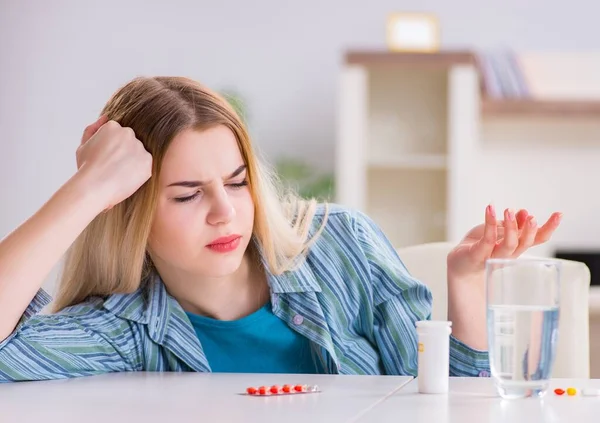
(262, 390)
(287, 389)
(298, 388)
(251, 391)
(274, 389)
(559, 391)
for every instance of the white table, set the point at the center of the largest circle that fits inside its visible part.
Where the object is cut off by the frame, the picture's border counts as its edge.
(192, 397)
(473, 400)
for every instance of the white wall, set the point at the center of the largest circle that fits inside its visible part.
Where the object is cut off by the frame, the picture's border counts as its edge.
(61, 59)
(544, 165)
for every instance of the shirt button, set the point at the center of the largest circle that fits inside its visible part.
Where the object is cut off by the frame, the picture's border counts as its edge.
(484, 373)
(298, 319)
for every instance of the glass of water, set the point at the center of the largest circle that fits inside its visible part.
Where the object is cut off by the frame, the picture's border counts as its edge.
(522, 323)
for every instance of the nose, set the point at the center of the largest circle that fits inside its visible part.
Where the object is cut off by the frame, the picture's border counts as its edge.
(221, 210)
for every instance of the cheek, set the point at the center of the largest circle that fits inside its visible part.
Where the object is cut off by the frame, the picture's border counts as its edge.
(245, 210)
(172, 228)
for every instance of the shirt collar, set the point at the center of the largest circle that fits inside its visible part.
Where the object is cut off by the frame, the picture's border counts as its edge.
(298, 279)
(149, 302)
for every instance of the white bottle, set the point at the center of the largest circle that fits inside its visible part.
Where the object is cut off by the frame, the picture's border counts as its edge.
(434, 356)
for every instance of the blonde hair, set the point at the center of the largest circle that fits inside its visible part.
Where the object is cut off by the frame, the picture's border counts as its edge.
(110, 256)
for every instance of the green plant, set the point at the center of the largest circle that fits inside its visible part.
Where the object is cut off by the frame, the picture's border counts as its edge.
(305, 180)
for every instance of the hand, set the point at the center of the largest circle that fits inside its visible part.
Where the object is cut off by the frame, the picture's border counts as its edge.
(113, 160)
(508, 238)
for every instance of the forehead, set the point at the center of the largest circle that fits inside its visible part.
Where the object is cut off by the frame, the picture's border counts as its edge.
(206, 154)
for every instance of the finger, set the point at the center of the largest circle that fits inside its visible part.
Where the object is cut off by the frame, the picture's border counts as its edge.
(547, 229)
(527, 238)
(521, 216)
(509, 243)
(522, 220)
(90, 130)
(483, 248)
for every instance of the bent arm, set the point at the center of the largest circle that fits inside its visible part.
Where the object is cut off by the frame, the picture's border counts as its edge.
(401, 301)
(28, 254)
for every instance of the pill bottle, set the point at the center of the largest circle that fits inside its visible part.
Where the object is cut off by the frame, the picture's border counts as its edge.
(433, 356)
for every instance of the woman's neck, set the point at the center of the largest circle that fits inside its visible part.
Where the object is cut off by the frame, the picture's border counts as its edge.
(226, 298)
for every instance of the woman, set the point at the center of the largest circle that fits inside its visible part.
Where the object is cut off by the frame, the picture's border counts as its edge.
(182, 257)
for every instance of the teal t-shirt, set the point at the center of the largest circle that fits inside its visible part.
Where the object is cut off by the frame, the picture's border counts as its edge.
(257, 343)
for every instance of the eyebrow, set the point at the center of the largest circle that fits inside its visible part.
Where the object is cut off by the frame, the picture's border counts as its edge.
(195, 184)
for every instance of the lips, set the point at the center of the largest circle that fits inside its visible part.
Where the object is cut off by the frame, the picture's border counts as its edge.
(225, 244)
(224, 240)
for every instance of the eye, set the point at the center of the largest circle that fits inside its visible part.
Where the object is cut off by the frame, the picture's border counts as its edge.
(239, 185)
(187, 199)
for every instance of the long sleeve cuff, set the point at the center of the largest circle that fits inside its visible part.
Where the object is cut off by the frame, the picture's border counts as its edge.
(466, 361)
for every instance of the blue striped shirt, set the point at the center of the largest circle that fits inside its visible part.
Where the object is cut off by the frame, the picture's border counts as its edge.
(352, 297)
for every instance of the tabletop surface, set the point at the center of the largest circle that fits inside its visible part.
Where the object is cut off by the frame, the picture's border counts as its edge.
(473, 400)
(192, 397)
(183, 397)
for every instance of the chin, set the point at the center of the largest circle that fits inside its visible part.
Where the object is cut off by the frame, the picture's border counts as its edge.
(222, 264)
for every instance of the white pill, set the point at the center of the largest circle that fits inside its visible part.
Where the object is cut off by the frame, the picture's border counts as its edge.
(591, 392)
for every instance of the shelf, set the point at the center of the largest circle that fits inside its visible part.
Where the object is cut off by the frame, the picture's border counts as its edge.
(550, 108)
(409, 161)
(489, 107)
(443, 59)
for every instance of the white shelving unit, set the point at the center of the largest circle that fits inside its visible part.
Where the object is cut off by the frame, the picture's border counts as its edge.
(394, 159)
(422, 150)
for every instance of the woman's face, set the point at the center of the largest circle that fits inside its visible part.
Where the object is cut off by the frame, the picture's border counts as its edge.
(205, 213)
